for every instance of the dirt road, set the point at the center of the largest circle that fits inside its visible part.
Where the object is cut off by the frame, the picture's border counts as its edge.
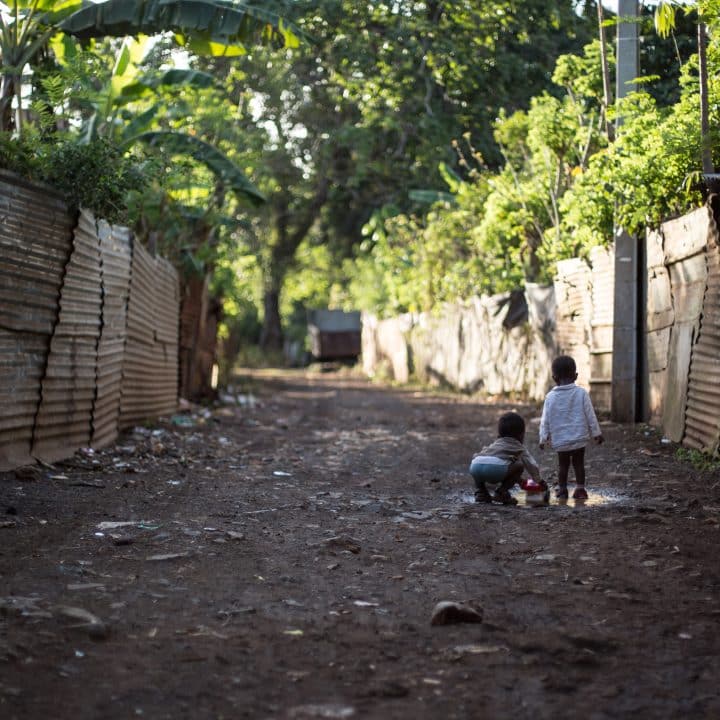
(281, 558)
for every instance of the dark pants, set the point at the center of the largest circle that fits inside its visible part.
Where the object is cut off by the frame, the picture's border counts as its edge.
(576, 458)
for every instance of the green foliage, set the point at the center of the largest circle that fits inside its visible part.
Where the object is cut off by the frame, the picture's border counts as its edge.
(97, 176)
(558, 194)
(699, 460)
(210, 26)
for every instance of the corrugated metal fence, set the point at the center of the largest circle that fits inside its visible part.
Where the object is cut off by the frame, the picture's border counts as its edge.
(584, 320)
(683, 329)
(88, 328)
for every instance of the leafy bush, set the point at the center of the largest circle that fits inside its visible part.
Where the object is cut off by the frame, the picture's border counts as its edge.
(699, 460)
(96, 176)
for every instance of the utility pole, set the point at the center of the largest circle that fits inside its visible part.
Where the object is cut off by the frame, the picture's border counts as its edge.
(629, 254)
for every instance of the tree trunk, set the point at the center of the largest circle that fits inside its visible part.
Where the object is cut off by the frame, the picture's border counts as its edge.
(286, 242)
(707, 162)
(271, 337)
(607, 94)
(7, 93)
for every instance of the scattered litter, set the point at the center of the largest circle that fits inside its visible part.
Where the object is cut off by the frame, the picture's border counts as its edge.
(233, 535)
(143, 524)
(25, 606)
(330, 712)
(87, 483)
(86, 586)
(460, 650)
(294, 633)
(182, 421)
(363, 603)
(95, 627)
(281, 473)
(418, 514)
(168, 556)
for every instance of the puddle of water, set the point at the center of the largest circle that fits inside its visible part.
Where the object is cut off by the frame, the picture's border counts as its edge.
(596, 498)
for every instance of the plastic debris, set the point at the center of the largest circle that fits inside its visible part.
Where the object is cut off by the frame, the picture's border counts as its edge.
(182, 421)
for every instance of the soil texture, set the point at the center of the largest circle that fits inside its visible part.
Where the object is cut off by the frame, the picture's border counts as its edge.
(281, 556)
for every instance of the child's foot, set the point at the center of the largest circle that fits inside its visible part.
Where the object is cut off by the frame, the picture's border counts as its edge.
(504, 497)
(482, 496)
(561, 493)
(580, 493)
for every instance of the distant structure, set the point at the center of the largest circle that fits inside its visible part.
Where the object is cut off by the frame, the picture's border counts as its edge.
(334, 334)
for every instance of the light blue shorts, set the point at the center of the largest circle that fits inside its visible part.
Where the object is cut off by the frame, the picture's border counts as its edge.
(487, 469)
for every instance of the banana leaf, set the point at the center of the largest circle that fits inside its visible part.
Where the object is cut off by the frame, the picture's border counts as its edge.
(224, 168)
(226, 22)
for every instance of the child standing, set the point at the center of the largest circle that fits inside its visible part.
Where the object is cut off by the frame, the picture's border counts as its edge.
(568, 421)
(502, 462)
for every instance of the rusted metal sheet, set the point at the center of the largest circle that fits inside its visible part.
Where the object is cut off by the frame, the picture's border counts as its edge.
(676, 381)
(150, 364)
(654, 251)
(22, 363)
(115, 257)
(602, 261)
(573, 293)
(702, 414)
(686, 236)
(35, 244)
(659, 309)
(677, 272)
(68, 386)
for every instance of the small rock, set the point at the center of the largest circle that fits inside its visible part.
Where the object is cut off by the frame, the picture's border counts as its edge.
(343, 542)
(448, 612)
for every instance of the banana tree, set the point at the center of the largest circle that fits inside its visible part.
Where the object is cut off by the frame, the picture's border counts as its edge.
(216, 27)
(127, 105)
(25, 28)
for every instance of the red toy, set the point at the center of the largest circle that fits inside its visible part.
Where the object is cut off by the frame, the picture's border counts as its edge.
(536, 493)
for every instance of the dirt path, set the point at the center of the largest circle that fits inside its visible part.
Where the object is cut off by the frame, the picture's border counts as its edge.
(284, 557)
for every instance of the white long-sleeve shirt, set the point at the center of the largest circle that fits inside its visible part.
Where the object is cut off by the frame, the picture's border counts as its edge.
(568, 419)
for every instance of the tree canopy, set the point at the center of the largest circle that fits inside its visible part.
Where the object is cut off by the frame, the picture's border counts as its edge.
(388, 156)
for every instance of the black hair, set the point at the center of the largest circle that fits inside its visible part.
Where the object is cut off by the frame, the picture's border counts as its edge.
(511, 425)
(563, 367)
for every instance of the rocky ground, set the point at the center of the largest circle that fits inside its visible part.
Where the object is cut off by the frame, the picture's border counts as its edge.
(281, 556)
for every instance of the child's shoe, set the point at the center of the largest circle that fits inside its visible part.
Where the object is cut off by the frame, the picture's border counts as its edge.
(482, 496)
(580, 493)
(504, 497)
(561, 493)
